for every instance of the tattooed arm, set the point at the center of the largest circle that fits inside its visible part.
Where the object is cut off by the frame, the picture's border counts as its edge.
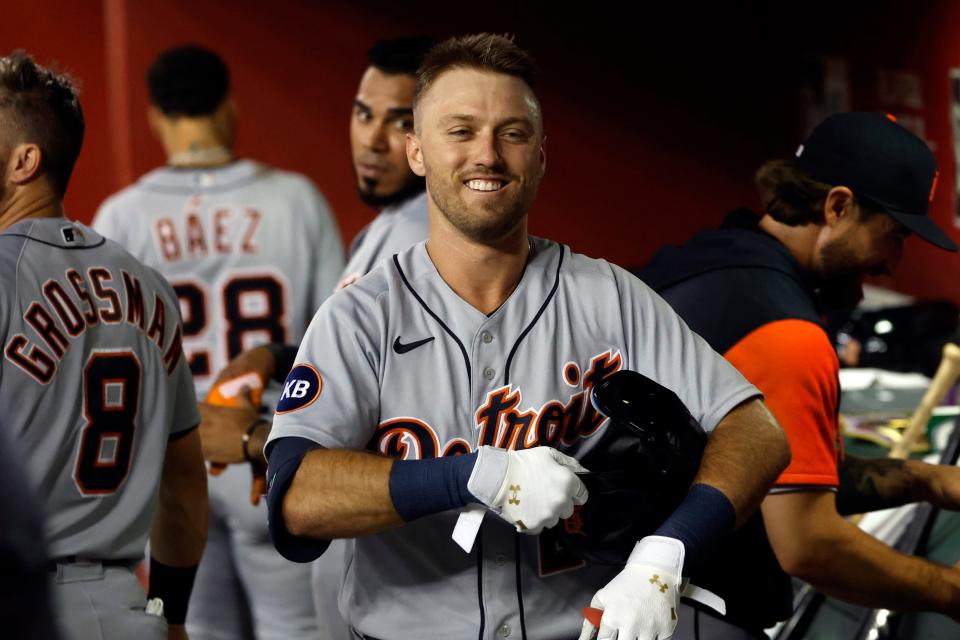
(812, 542)
(872, 484)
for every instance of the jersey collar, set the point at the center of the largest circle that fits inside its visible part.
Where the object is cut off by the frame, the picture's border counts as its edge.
(538, 279)
(227, 176)
(59, 231)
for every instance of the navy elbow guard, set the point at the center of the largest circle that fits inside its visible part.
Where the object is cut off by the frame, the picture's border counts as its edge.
(285, 456)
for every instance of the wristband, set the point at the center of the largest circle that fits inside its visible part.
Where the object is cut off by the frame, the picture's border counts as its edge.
(422, 487)
(173, 586)
(246, 439)
(704, 518)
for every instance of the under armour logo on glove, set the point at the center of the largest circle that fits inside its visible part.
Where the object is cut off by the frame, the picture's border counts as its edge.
(549, 479)
(656, 580)
(632, 611)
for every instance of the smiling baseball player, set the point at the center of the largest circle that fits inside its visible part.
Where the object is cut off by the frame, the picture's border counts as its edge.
(459, 373)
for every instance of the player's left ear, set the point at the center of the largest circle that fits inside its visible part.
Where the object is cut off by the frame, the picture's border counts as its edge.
(415, 155)
(25, 163)
(837, 206)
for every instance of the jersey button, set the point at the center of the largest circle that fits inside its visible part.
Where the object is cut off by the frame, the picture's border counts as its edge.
(489, 373)
(501, 560)
(487, 337)
(504, 630)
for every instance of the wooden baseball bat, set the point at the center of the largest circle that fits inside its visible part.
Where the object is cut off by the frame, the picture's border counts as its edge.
(943, 379)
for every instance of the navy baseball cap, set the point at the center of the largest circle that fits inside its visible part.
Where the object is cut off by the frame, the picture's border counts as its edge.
(880, 161)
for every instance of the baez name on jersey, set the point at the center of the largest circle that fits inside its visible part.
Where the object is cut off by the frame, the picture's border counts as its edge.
(40, 358)
(224, 231)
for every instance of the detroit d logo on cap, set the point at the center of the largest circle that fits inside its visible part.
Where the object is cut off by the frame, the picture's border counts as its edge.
(301, 389)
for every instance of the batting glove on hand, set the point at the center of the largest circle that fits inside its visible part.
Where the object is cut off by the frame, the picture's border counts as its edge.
(642, 601)
(531, 489)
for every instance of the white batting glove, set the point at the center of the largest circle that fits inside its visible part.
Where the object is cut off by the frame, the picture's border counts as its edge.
(642, 601)
(531, 489)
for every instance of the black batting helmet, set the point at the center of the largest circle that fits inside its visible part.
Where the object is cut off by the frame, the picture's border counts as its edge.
(640, 470)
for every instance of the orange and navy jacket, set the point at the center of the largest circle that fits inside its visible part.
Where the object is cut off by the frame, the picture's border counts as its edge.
(745, 294)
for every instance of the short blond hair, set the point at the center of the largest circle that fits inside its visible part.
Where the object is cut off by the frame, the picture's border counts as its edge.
(481, 51)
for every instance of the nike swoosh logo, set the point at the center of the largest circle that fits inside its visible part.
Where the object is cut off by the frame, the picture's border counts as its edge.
(399, 347)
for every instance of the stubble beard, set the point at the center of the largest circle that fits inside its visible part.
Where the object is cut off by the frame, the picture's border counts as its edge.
(484, 223)
(841, 277)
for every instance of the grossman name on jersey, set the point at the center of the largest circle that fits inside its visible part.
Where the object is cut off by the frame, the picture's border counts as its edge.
(40, 360)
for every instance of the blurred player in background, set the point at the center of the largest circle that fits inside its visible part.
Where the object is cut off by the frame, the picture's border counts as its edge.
(251, 252)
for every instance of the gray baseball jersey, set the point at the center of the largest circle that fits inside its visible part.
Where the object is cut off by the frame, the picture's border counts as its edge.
(395, 228)
(93, 382)
(398, 363)
(251, 251)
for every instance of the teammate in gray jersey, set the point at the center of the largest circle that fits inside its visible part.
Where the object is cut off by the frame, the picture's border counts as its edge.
(396, 228)
(382, 115)
(458, 373)
(251, 251)
(95, 389)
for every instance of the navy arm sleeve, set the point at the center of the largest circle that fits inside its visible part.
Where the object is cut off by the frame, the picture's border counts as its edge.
(283, 459)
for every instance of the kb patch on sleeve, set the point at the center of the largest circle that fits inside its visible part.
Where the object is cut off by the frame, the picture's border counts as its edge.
(301, 389)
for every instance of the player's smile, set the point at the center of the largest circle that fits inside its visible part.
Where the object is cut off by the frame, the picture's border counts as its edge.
(486, 184)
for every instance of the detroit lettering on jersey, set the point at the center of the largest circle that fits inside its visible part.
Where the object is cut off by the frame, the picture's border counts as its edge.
(223, 231)
(79, 300)
(499, 421)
